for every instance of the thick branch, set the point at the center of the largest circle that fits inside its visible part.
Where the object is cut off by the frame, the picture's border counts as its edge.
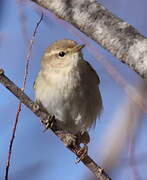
(112, 33)
(89, 163)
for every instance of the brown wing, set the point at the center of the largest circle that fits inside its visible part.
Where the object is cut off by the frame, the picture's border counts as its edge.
(92, 71)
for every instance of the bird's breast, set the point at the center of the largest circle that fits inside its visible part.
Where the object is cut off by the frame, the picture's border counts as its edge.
(55, 89)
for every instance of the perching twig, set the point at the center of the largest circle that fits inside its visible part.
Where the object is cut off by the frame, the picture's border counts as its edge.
(111, 32)
(89, 163)
(29, 55)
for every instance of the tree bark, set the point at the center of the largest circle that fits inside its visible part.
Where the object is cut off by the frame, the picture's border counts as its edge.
(112, 33)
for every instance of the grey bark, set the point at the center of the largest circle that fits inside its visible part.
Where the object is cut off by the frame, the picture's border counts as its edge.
(112, 33)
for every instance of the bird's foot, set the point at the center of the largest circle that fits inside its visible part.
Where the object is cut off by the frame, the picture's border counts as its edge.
(82, 153)
(71, 140)
(83, 138)
(48, 122)
(68, 138)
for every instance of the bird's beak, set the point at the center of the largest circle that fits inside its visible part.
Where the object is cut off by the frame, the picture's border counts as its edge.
(77, 48)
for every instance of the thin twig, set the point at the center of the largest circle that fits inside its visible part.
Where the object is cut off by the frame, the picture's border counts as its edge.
(28, 58)
(89, 163)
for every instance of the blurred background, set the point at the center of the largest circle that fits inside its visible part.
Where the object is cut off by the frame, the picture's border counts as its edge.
(118, 143)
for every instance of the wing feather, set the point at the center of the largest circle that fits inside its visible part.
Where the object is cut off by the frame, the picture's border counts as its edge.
(92, 72)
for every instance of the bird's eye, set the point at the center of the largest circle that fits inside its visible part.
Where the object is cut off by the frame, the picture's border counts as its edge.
(61, 54)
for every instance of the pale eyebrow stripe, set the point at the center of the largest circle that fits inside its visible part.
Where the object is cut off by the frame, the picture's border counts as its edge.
(56, 52)
(51, 53)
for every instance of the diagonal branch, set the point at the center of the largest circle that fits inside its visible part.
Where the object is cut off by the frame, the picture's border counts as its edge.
(112, 33)
(89, 163)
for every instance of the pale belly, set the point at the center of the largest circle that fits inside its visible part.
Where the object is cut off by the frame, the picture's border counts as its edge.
(76, 108)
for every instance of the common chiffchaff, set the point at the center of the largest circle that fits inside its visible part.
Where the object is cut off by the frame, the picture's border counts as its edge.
(67, 87)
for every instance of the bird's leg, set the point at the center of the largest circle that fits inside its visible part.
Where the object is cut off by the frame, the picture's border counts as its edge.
(83, 138)
(71, 140)
(82, 153)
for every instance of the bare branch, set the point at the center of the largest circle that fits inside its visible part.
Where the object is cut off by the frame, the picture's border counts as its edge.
(112, 33)
(89, 163)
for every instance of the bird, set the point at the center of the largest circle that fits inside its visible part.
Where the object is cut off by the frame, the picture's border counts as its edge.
(68, 87)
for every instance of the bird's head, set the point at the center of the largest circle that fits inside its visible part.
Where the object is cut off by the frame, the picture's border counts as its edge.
(62, 53)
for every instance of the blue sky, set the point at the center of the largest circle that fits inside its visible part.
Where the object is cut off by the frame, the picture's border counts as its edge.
(41, 156)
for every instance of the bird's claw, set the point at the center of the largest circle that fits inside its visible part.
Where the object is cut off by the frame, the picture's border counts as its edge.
(82, 153)
(48, 122)
(70, 140)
